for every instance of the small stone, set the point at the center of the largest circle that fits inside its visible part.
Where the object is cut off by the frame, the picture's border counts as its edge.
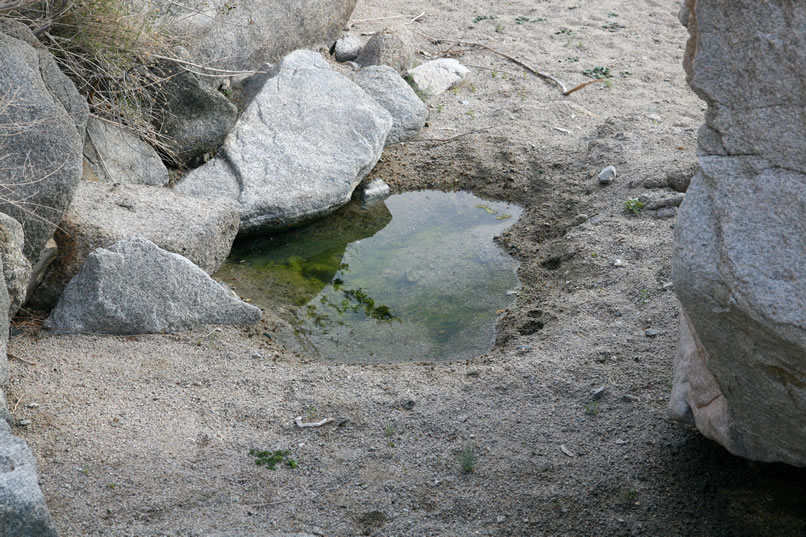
(580, 219)
(607, 175)
(32, 405)
(618, 263)
(24, 422)
(650, 332)
(595, 220)
(666, 212)
(347, 48)
(408, 405)
(597, 393)
(628, 398)
(500, 518)
(377, 189)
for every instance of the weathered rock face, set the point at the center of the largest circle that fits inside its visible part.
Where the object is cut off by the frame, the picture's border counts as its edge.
(16, 267)
(304, 142)
(23, 511)
(388, 88)
(739, 263)
(244, 35)
(42, 121)
(195, 118)
(103, 214)
(117, 155)
(135, 287)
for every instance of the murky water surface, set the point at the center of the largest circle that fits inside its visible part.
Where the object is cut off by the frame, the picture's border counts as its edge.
(414, 277)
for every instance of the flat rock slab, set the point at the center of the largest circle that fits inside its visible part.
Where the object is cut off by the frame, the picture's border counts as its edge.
(304, 142)
(438, 76)
(117, 155)
(23, 511)
(135, 287)
(103, 214)
(388, 88)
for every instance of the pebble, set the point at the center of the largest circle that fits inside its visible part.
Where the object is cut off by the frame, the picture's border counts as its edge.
(618, 263)
(408, 405)
(628, 398)
(347, 48)
(650, 332)
(24, 422)
(32, 405)
(666, 212)
(500, 518)
(580, 219)
(607, 175)
(597, 393)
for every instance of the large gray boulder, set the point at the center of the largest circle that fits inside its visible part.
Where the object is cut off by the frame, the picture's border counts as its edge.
(244, 35)
(135, 287)
(16, 267)
(117, 155)
(103, 214)
(194, 118)
(739, 264)
(388, 88)
(299, 149)
(42, 122)
(23, 512)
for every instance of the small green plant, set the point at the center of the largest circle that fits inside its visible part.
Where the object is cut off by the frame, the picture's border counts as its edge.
(644, 296)
(471, 113)
(270, 459)
(612, 14)
(564, 31)
(592, 408)
(468, 459)
(520, 19)
(613, 26)
(499, 27)
(423, 95)
(389, 431)
(629, 497)
(572, 59)
(633, 205)
(484, 18)
(597, 72)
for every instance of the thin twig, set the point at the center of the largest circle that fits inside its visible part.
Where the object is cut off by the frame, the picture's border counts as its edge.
(584, 84)
(23, 360)
(199, 66)
(460, 43)
(544, 76)
(440, 141)
(387, 18)
(415, 18)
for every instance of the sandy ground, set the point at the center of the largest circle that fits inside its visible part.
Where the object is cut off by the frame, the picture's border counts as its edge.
(150, 436)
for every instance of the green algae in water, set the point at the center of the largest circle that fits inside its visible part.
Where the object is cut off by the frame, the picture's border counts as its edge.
(416, 277)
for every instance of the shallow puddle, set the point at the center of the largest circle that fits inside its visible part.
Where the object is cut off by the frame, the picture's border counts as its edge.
(414, 277)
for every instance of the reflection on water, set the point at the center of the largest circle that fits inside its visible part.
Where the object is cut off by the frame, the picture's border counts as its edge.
(417, 277)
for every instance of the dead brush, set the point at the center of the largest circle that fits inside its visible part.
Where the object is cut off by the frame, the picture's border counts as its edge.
(110, 51)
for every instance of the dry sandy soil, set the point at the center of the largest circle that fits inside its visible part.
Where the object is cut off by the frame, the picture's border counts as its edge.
(150, 436)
